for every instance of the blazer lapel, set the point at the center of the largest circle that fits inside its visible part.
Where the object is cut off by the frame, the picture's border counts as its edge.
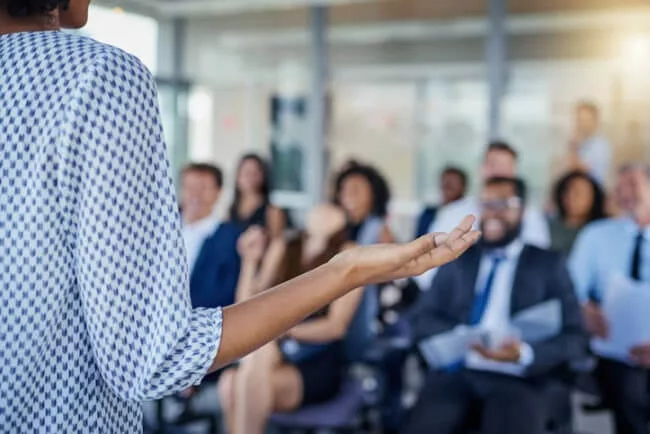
(519, 297)
(204, 254)
(472, 259)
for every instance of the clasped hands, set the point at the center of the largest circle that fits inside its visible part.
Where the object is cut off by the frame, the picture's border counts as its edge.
(508, 352)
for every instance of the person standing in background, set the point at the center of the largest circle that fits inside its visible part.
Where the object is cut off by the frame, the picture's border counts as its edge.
(589, 149)
(453, 183)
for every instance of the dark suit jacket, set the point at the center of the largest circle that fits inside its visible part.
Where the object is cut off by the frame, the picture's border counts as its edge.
(213, 281)
(541, 275)
(427, 217)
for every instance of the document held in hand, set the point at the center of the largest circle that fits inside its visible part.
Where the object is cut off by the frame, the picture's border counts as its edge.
(626, 305)
(448, 348)
(539, 322)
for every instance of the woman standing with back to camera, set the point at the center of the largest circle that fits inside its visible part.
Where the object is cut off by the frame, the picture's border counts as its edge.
(94, 308)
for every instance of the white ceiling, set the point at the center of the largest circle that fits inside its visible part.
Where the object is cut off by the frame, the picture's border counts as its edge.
(202, 8)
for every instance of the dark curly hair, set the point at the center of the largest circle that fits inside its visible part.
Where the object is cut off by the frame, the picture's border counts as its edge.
(378, 185)
(597, 211)
(27, 8)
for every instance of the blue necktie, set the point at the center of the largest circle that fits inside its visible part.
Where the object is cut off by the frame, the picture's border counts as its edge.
(480, 303)
(482, 298)
(635, 269)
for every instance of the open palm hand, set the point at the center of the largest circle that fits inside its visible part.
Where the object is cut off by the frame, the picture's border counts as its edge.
(385, 262)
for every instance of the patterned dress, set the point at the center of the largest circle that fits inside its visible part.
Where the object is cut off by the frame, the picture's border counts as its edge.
(95, 312)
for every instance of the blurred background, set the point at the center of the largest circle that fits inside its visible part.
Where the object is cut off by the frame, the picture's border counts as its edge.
(407, 85)
(410, 88)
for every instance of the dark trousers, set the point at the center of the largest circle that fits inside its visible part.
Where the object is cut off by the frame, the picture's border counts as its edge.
(504, 404)
(626, 391)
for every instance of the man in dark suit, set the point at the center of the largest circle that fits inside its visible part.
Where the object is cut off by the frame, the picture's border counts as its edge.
(495, 280)
(211, 244)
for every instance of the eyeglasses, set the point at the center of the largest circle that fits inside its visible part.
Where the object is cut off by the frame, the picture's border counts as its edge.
(501, 204)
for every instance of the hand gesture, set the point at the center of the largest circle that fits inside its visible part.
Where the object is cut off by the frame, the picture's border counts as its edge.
(252, 244)
(595, 320)
(386, 262)
(508, 352)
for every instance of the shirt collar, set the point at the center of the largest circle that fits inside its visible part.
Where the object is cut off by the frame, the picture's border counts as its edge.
(630, 226)
(204, 225)
(511, 251)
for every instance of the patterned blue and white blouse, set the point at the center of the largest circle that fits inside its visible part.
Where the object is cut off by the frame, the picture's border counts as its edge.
(95, 313)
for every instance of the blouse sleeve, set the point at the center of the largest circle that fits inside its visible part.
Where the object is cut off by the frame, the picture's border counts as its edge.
(131, 266)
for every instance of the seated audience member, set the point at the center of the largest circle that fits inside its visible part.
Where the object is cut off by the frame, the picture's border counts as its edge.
(252, 207)
(494, 280)
(252, 203)
(211, 245)
(605, 249)
(453, 185)
(589, 150)
(363, 194)
(500, 160)
(307, 366)
(579, 200)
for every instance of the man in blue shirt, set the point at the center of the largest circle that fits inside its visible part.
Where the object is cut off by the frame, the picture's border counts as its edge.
(618, 246)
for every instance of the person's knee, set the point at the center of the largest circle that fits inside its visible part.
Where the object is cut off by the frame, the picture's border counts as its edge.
(287, 389)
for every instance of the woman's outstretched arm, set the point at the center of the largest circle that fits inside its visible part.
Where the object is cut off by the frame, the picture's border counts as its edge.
(253, 323)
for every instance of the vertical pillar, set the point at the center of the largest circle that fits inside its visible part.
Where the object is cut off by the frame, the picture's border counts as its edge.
(496, 57)
(315, 153)
(174, 89)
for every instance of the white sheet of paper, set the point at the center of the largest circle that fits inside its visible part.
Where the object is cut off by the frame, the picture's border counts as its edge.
(445, 349)
(626, 306)
(539, 322)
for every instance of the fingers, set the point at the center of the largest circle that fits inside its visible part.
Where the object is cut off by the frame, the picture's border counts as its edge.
(463, 228)
(434, 250)
(451, 248)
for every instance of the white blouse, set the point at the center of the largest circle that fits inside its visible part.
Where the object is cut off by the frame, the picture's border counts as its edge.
(95, 313)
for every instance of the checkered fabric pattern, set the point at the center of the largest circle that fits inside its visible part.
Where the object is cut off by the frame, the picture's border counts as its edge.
(95, 313)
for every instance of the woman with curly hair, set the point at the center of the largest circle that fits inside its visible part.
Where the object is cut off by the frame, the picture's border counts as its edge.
(95, 313)
(579, 200)
(364, 195)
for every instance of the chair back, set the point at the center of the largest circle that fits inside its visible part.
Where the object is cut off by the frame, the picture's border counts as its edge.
(361, 333)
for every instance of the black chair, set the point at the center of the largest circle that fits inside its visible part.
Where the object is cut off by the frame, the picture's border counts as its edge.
(189, 415)
(560, 412)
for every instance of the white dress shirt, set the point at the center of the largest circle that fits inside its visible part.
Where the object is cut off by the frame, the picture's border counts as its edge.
(496, 318)
(534, 231)
(195, 234)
